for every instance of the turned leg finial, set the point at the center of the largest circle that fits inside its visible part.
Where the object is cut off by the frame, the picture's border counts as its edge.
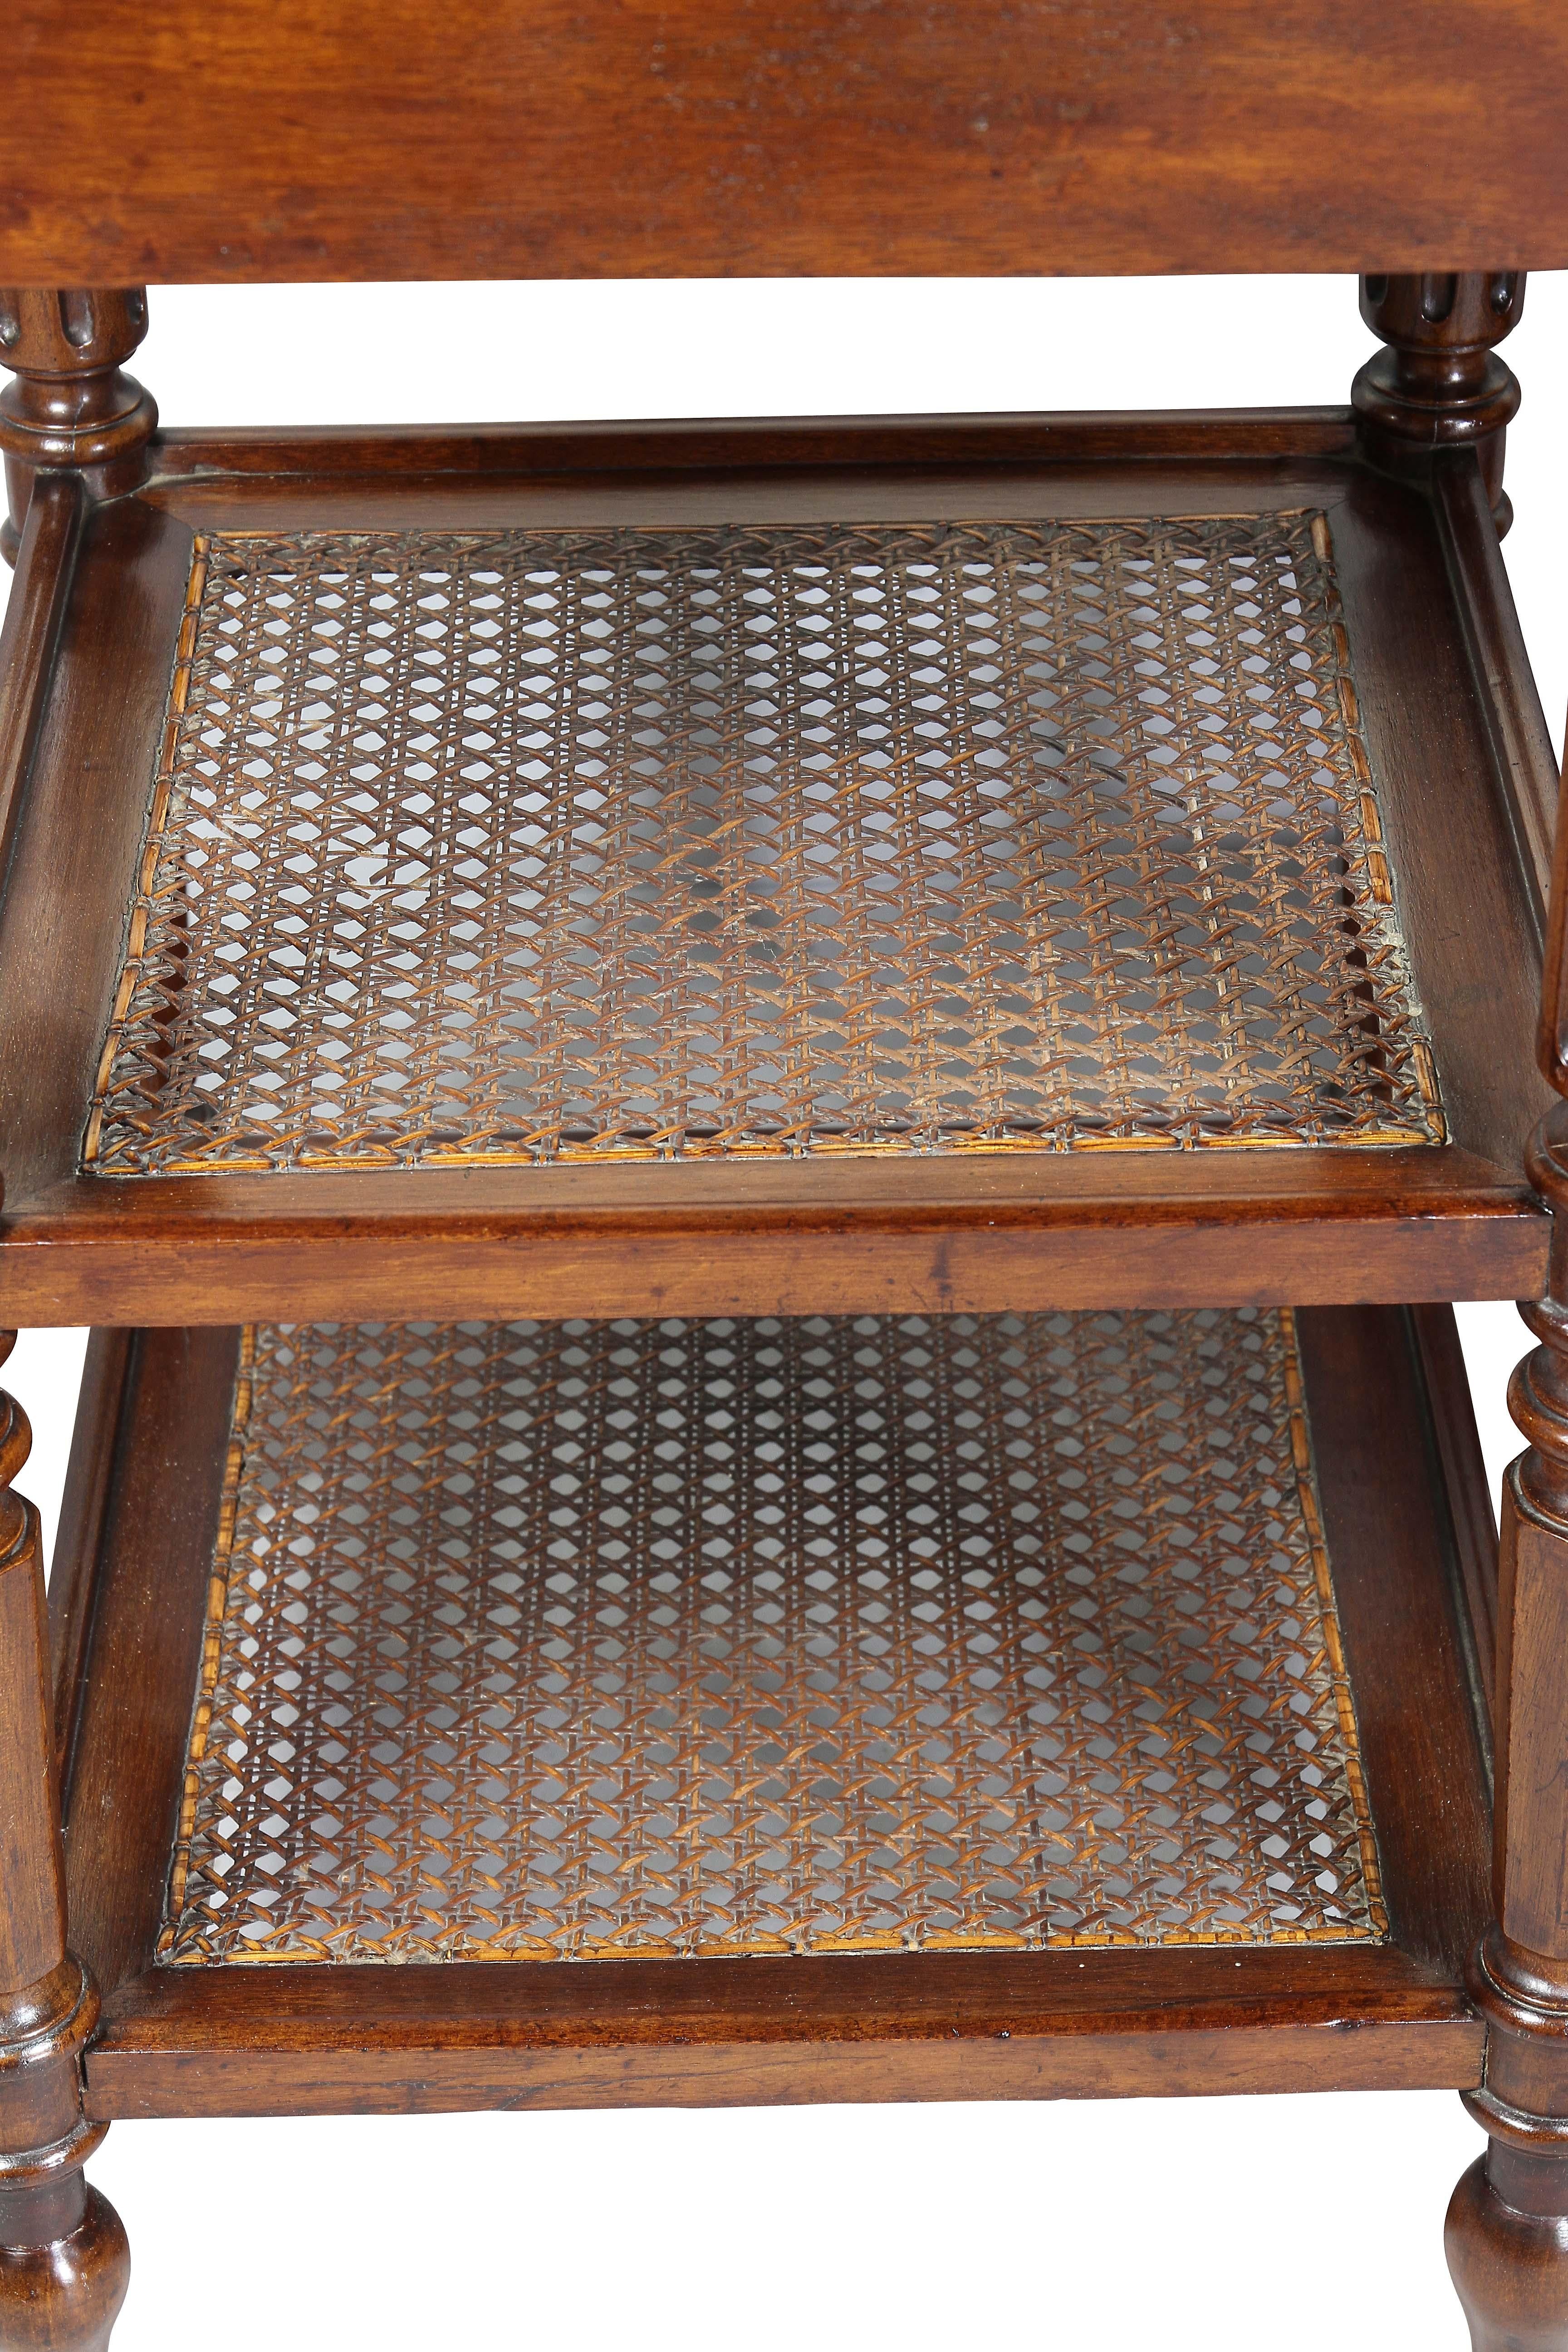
(1437, 383)
(70, 403)
(63, 2262)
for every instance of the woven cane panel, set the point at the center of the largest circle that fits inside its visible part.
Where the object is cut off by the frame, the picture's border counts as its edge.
(573, 1640)
(648, 843)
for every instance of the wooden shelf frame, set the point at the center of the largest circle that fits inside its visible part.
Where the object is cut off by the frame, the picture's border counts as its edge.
(897, 139)
(1409, 1529)
(1452, 721)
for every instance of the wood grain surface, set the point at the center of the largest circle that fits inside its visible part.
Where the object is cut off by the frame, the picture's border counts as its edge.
(382, 138)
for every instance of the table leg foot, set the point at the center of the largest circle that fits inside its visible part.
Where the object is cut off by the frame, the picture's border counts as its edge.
(65, 2265)
(1510, 2264)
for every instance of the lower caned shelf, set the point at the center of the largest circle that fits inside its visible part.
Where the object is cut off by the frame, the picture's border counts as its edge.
(816, 1707)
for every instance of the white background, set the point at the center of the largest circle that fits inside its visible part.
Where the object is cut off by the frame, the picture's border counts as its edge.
(1223, 2223)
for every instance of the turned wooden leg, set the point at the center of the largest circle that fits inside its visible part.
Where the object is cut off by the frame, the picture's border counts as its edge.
(1437, 383)
(71, 405)
(63, 2262)
(1508, 2224)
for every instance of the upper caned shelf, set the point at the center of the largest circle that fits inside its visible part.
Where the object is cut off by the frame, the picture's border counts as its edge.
(918, 879)
(654, 844)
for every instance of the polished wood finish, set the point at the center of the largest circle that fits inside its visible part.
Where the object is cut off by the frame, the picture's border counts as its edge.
(267, 141)
(65, 2266)
(1500, 665)
(32, 1926)
(64, 2263)
(1457, 1454)
(215, 1247)
(749, 2034)
(1507, 2260)
(1073, 138)
(1437, 383)
(1405, 1542)
(1506, 2233)
(71, 407)
(1551, 1034)
(29, 637)
(423, 457)
(1437, 389)
(1508, 2224)
(1462, 790)
(235, 2038)
(139, 1573)
(92, 1478)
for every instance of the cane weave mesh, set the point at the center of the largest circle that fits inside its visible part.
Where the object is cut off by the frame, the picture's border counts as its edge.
(575, 1640)
(643, 843)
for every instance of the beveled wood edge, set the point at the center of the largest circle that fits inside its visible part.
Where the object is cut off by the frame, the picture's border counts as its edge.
(536, 2004)
(858, 479)
(160, 1408)
(1389, 1523)
(201, 1275)
(886, 442)
(45, 562)
(66, 905)
(1208, 1227)
(84, 1520)
(1187, 2062)
(1506, 692)
(1462, 1473)
(966, 1185)
(1462, 904)
(1055, 2024)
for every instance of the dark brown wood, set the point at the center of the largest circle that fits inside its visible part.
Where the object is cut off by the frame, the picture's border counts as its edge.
(63, 2259)
(1505, 687)
(1437, 383)
(900, 142)
(1150, 1228)
(34, 614)
(431, 455)
(1069, 2023)
(294, 1252)
(1508, 2224)
(1464, 909)
(1111, 2025)
(1507, 2235)
(71, 406)
(1532, 1896)
(64, 2266)
(1084, 137)
(122, 614)
(84, 1518)
(146, 1561)
(1507, 2260)
(33, 1919)
(1457, 1463)
(1393, 1540)
(1552, 1032)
